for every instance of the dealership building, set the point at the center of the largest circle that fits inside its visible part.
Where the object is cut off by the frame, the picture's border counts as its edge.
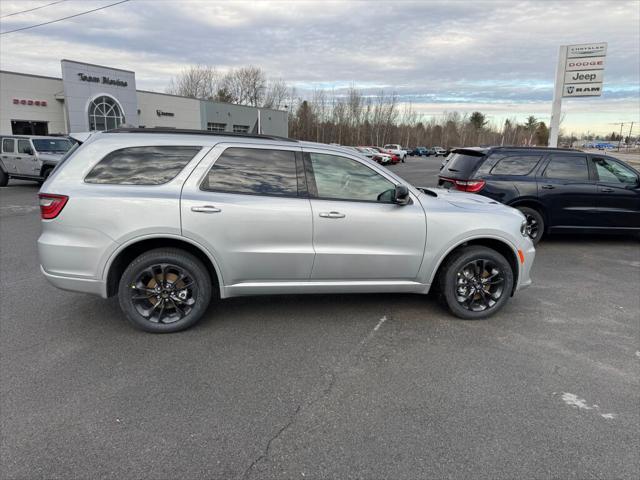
(93, 97)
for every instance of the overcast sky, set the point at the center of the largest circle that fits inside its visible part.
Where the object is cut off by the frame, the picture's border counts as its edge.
(496, 57)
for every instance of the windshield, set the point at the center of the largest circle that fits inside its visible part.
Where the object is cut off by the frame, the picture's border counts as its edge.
(58, 145)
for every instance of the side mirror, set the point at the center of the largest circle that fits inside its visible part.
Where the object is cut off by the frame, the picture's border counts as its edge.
(401, 195)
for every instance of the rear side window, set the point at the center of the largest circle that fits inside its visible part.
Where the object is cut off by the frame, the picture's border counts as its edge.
(8, 145)
(515, 165)
(153, 165)
(567, 167)
(254, 171)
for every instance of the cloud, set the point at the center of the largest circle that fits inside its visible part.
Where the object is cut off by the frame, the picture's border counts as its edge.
(481, 54)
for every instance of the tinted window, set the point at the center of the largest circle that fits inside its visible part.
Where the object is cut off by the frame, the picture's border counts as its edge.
(8, 145)
(614, 172)
(254, 171)
(24, 146)
(51, 145)
(342, 178)
(515, 165)
(461, 164)
(141, 165)
(567, 167)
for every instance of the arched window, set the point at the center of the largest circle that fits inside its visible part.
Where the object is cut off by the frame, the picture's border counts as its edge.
(104, 114)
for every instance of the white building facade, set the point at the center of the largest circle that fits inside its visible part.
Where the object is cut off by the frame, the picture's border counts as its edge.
(93, 97)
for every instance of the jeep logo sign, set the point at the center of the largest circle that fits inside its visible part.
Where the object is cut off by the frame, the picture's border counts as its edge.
(584, 76)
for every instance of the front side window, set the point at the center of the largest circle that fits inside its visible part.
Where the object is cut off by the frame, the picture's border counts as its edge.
(515, 165)
(254, 171)
(342, 178)
(24, 146)
(614, 172)
(8, 145)
(567, 167)
(142, 165)
(104, 114)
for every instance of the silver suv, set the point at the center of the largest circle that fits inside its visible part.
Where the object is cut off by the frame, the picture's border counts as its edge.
(30, 157)
(166, 220)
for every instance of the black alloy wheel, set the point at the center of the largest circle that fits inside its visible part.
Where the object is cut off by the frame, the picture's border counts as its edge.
(475, 282)
(535, 223)
(164, 290)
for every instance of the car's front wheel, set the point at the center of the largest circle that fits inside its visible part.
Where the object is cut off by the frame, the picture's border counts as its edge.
(476, 282)
(164, 290)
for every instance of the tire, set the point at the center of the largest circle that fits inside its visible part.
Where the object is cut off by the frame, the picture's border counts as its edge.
(535, 223)
(151, 308)
(466, 292)
(4, 178)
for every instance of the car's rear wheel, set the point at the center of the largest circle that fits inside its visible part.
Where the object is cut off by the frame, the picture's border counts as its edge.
(4, 178)
(164, 290)
(535, 223)
(476, 282)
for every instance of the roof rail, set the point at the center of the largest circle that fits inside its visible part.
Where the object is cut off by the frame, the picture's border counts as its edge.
(187, 131)
(514, 147)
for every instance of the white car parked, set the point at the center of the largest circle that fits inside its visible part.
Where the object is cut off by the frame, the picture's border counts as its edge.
(396, 150)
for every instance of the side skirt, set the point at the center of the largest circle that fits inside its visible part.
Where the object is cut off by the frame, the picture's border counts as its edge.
(342, 286)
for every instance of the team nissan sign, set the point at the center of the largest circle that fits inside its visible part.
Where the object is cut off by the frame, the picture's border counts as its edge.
(584, 70)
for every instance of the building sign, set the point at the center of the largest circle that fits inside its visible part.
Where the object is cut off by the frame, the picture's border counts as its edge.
(161, 113)
(592, 63)
(587, 50)
(25, 101)
(105, 80)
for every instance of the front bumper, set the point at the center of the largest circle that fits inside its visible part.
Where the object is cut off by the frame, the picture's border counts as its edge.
(524, 279)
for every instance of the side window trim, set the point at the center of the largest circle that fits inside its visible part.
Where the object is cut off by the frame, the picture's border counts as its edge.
(311, 182)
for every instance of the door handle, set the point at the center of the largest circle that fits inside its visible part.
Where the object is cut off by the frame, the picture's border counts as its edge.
(607, 190)
(17, 158)
(332, 215)
(548, 187)
(206, 209)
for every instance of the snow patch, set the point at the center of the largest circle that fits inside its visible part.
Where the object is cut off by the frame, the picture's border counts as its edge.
(574, 401)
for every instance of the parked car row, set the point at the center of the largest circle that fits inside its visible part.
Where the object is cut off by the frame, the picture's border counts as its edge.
(428, 151)
(557, 190)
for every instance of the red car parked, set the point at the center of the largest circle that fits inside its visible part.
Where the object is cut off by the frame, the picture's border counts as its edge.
(394, 158)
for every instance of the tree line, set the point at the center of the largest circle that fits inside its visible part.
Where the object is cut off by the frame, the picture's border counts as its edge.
(352, 117)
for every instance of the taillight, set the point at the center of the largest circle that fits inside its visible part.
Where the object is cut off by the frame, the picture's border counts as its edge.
(472, 186)
(51, 205)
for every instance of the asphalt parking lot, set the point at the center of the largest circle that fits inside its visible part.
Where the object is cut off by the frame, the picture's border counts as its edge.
(352, 386)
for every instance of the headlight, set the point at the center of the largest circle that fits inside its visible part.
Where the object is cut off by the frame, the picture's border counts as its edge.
(523, 229)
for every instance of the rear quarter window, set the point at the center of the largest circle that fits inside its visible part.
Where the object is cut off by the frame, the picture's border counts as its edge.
(462, 164)
(518, 165)
(152, 165)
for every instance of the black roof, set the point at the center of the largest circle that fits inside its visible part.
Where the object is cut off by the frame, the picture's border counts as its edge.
(186, 131)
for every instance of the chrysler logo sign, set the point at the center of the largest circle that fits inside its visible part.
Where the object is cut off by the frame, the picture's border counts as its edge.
(104, 80)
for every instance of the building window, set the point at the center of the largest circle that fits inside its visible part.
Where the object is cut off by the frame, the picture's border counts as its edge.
(216, 127)
(240, 128)
(104, 114)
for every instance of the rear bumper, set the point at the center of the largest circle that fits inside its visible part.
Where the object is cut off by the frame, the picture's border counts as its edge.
(74, 284)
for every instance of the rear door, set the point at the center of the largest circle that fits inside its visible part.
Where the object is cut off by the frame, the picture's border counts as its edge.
(358, 233)
(248, 205)
(618, 197)
(567, 191)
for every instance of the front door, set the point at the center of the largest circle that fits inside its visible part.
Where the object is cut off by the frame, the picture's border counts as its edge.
(246, 206)
(567, 191)
(25, 159)
(358, 233)
(618, 193)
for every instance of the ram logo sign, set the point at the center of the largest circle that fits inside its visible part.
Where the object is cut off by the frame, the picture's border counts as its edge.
(583, 90)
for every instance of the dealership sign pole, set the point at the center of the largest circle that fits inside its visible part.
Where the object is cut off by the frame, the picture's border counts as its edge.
(579, 74)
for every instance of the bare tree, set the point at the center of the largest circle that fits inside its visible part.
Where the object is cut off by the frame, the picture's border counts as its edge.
(275, 94)
(196, 81)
